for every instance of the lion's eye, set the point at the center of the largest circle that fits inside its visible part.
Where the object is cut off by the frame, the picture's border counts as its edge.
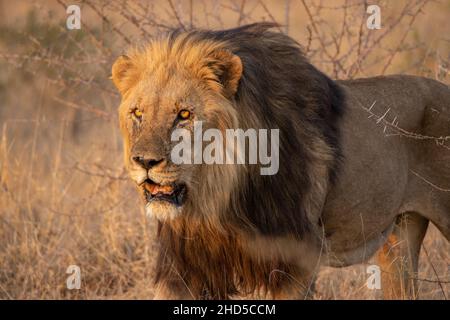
(137, 113)
(184, 114)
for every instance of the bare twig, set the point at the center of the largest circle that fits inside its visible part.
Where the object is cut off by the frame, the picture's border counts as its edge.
(175, 13)
(440, 282)
(440, 140)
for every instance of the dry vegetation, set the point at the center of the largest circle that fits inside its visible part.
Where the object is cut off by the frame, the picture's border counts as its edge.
(64, 196)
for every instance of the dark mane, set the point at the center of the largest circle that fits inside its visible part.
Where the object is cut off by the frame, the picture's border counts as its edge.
(279, 89)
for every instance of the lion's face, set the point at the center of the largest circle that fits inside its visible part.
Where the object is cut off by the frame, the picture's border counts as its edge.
(159, 97)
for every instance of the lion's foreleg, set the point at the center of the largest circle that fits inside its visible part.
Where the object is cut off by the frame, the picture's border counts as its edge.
(399, 257)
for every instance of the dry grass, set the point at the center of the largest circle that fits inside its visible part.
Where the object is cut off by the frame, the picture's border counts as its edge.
(64, 196)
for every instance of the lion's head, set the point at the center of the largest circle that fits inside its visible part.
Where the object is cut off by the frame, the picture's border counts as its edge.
(169, 85)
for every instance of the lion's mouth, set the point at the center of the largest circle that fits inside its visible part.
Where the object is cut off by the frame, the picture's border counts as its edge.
(174, 193)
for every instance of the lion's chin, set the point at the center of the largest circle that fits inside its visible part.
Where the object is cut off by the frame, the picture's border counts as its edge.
(162, 210)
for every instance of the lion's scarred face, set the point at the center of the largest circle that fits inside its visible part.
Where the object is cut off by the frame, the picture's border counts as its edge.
(166, 87)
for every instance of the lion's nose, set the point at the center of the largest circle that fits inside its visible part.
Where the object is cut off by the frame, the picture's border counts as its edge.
(147, 163)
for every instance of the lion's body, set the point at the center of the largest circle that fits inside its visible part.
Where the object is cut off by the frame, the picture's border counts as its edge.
(395, 177)
(380, 178)
(345, 183)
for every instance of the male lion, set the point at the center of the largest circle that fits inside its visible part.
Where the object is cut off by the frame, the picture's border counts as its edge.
(362, 163)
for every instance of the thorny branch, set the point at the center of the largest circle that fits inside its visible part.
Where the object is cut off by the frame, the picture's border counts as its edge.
(381, 119)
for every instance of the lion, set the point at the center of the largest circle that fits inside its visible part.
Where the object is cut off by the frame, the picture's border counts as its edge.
(363, 165)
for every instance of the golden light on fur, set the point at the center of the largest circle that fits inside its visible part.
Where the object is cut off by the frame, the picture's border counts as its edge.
(206, 74)
(233, 231)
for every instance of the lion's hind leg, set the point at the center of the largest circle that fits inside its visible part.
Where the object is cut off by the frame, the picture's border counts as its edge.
(399, 257)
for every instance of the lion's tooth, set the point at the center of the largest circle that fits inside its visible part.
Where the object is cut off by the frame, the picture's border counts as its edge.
(167, 189)
(150, 187)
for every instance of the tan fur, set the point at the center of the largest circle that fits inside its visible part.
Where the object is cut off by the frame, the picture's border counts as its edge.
(342, 185)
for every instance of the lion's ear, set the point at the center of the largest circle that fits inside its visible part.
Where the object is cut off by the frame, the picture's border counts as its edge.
(227, 67)
(124, 74)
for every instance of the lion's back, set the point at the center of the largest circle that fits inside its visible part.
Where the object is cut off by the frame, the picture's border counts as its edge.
(417, 104)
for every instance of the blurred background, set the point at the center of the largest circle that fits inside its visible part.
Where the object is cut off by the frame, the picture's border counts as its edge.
(64, 195)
